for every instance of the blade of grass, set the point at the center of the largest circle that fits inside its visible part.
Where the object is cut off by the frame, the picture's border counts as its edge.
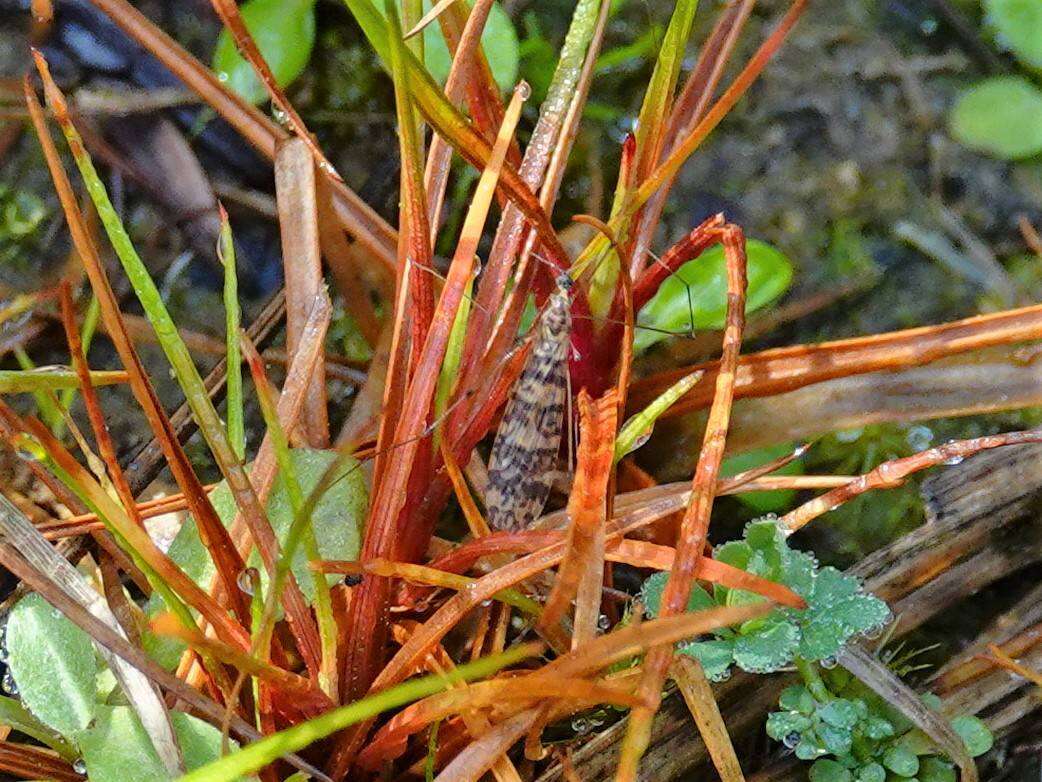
(233, 395)
(691, 680)
(694, 527)
(300, 530)
(638, 428)
(46, 404)
(369, 602)
(211, 529)
(302, 271)
(14, 381)
(652, 122)
(586, 509)
(187, 374)
(261, 753)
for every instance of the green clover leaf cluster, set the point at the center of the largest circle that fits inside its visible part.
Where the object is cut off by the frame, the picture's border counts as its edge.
(852, 739)
(837, 608)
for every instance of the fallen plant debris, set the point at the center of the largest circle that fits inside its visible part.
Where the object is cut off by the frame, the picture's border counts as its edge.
(393, 601)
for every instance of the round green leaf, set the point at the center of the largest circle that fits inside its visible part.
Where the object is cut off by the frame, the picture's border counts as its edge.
(974, 734)
(53, 664)
(934, 769)
(873, 772)
(498, 39)
(337, 520)
(1001, 116)
(1018, 26)
(715, 656)
(116, 747)
(763, 502)
(767, 649)
(840, 713)
(695, 297)
(781, 724)
(901, 761)
(284, 31)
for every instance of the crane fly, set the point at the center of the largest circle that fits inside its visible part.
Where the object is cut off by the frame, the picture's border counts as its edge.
(521, 465)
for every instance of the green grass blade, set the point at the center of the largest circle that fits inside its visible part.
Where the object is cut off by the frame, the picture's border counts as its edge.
(640, 425)
(453, 355)
(259, 754)
(43, 379)
(233, 358)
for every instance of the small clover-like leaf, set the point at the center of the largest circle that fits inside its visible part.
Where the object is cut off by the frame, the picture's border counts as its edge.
(809, 749)
(873, 772)
(974, 734)
(767, 649)
(836, 611)
(934, 769)
(829, 771)
(797, 698)
(877, 728)
(716, 656)
(780, 724)
(651, 595)
(901, 761)
(836, 740)
(839, 713)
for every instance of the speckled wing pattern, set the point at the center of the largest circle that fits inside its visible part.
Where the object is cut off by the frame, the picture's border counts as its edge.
(524, 454)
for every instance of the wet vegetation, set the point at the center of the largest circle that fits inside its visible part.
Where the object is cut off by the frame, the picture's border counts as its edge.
(271, 273)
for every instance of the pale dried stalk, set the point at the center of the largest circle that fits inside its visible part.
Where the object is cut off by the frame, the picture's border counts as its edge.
(302, 270)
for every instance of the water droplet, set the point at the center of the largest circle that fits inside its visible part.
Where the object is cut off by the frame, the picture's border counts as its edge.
(829, 662)
(919, 438)
(849, 435)
(9, 685)
(928, 26)
(580, 725)
(791, 739)
(603, 622)
(523, 90)
(279, 115)
(486, 603)
(954, 460)
(4, 654)
(80, 766)
(246, 580)
(222, 76)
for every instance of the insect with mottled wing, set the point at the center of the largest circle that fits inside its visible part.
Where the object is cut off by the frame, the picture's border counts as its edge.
(521, 466)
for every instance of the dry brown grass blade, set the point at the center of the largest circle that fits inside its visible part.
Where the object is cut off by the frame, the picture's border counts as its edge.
(695, 525)
(436, 173)
(90, 399)
(587, 507)
(892, 473)
(593, 656)
(302, 268)
(29, 762)
(774, 371)
(303, 690)
(356, 216)
(1000, 658)
(211, 530)
(691, 680)
(390, 741)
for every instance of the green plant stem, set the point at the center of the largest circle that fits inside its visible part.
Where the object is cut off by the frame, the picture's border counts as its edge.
(233, 357)
(813, 680)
